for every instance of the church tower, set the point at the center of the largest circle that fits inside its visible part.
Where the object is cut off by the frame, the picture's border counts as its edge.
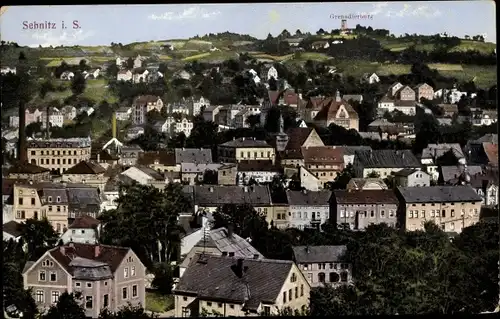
(281, 137)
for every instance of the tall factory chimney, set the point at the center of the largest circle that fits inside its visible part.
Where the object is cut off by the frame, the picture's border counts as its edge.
(113, 125)
(22, 73)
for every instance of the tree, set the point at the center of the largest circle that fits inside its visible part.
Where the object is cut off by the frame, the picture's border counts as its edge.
(82, 66)
(127, 312)
(373, 174)
(342, 178)
(285, 34)
(298, 33)
(78, 84)
(39, 235)
(129, 63)
(67, 307)
(244, 219)
(146, 220)
(163, 278)
(253, 120)
(320, 31)
(210, 177)
(428, 132)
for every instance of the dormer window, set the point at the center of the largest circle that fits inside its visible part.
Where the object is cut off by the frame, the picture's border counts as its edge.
(58, 199)
(50, 199)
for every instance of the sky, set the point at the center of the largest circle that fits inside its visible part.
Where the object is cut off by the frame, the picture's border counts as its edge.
(103, 24)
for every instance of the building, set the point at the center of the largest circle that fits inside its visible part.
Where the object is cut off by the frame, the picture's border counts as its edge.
(269, 73)
(175, 125)
(220, 242)
(366, 184)
(144, 104)
(308, 209)
(26, 171)
(246, 149)
(161, 161)
(58, 155)
(240, 287)
(147, 176)
(227, 174)
(140, 75)
(60, 203)
(323, 264)
(124, 75)
(123, 113)
(107, 276)
(325, 162)
(432, 157)
(359, 209)
(192, 173)
(451, 207)
(258, 171)
(325, 111)
(12, 230)
(370, 78)
(383, 162)
(424, 90)
(88, 173)
(193, 155)
(209, 197)
(410, 177)
(298, 138)
(83, 230)
(129, 155)
(56, 118)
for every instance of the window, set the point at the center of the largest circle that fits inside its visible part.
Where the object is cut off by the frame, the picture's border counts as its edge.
(289, 294)
(301, 290)
(231, 306)
(125, 272)
(443, 213)
(411, 214)
(132, 271)
(20, 201)
(306, 266)
(50, 208)
(33, 202)
(219, 305)
(53, 276)
(321, 266)
(88, 302)
(342, 214)
(267, 311)
(134, 291)
(321, 277)
(40, 296)
(78, 284)
(452, 226)
(423, 213)
(382, 213)
(105, 300)
(58, 199)
(334, 277)
(452, 213)
(50, 199)
(185, 298)
(284, 296)
(41, 275)
(372, 214)
(293, 278)
(343, 276)
(55, 296)
(89, 285)
(124, 293)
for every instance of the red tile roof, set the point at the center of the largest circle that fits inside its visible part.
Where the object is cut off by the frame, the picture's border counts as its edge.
(328, 108)
(323, 155)
(85, 167)
(85, 221)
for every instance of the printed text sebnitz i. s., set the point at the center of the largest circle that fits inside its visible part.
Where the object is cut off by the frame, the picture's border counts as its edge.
(48, 25)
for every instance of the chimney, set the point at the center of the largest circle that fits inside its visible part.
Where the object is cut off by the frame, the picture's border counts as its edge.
(239, 267)
(337, 97)
(113, 125)
(230, 229)
(211, 189)
(97, 250)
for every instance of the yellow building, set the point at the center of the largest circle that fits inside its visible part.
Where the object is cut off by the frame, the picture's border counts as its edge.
(240, 287)
(58, 202)
(58, 155)
(451, 207)
(246, 149)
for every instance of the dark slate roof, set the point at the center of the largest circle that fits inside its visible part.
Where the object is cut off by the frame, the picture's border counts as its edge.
(193, 155)
(308, 198)
(351, 150)
(246, 142)
(438, 150)
(162, 157)
(365, 196)
(406, 172)
(26, 168)
(387, 159)
(439, 194)
(12, 228)
(449, 173)
(110, 255)
(85, 167)
(319, 254)
(215, 195)
(261, 281)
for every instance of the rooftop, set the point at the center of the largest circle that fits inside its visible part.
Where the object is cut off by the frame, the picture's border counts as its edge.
(439, 194)
(319, 254)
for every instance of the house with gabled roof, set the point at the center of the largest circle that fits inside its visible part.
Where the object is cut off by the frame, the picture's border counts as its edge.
(86, 172)
(325, 111)
(383, 162)
(12, 230)
(370, 78)
(240, 287)
(84, 229)
(108, 277)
